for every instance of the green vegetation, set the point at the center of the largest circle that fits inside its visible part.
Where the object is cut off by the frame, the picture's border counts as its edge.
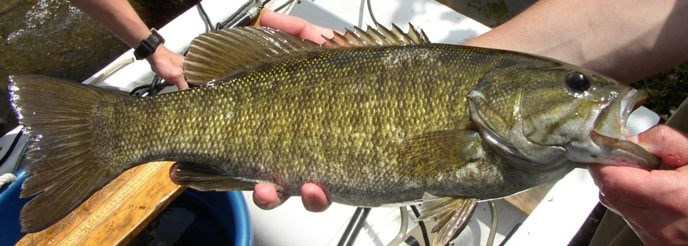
(667, 89)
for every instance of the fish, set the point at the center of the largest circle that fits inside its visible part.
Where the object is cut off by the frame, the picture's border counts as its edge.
(374, 117)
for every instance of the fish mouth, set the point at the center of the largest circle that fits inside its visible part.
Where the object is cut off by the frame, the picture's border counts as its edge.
(610, 133)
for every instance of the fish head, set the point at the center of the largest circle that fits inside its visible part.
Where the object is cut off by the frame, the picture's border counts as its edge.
(543, 117)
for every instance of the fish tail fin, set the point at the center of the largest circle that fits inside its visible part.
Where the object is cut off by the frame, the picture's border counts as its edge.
(66, 158)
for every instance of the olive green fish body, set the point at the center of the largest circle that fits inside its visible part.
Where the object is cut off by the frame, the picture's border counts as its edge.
(340, 118)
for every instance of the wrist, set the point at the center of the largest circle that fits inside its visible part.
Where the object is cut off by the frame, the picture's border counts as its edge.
(149, 45)
(156, 55)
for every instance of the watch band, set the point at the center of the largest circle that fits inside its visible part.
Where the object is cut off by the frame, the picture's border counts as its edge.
(147, 46)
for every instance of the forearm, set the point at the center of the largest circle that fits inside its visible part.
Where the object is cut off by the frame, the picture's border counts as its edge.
(121, 19)
(118, 16)
(624, 39)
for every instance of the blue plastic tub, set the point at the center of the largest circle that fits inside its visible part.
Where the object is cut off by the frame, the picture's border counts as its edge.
(204, 218)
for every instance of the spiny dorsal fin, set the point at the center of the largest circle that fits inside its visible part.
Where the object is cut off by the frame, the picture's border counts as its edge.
(379, 36)
(218, 53)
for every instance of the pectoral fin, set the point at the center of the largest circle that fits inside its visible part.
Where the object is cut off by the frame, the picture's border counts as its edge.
(440, 150)
(451, 215)
(206, 177)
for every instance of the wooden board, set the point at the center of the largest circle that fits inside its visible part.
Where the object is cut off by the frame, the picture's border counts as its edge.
(116, 213)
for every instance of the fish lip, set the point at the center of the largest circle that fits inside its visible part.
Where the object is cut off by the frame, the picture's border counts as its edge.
(628, 103)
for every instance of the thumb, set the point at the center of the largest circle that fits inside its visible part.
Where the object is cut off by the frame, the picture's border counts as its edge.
(669, 144)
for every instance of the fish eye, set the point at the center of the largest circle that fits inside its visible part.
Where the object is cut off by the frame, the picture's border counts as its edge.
(577, 81)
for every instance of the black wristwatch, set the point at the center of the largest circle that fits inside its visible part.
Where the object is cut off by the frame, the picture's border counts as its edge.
(147, 46)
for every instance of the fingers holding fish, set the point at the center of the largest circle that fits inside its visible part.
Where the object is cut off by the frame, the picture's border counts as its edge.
(295, 26)
(314, 198)
(620, 184)
(169, 66)
(266, 196)
(624, 184)
(666, 143)
(652, 201)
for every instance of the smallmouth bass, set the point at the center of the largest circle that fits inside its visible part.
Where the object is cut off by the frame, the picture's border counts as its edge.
(381, 118)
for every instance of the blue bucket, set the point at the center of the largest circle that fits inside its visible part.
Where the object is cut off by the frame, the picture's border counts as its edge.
(204, 217)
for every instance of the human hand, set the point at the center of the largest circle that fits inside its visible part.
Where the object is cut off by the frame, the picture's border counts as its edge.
(168, 65)
(295, 26)
(653, 202)
(313, 197)
(265, 195)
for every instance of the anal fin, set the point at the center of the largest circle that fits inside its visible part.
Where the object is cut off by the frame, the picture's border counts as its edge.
(204, 177)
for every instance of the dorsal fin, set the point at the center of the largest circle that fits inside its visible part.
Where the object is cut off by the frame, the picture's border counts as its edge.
(379, 36)
(218, 53)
